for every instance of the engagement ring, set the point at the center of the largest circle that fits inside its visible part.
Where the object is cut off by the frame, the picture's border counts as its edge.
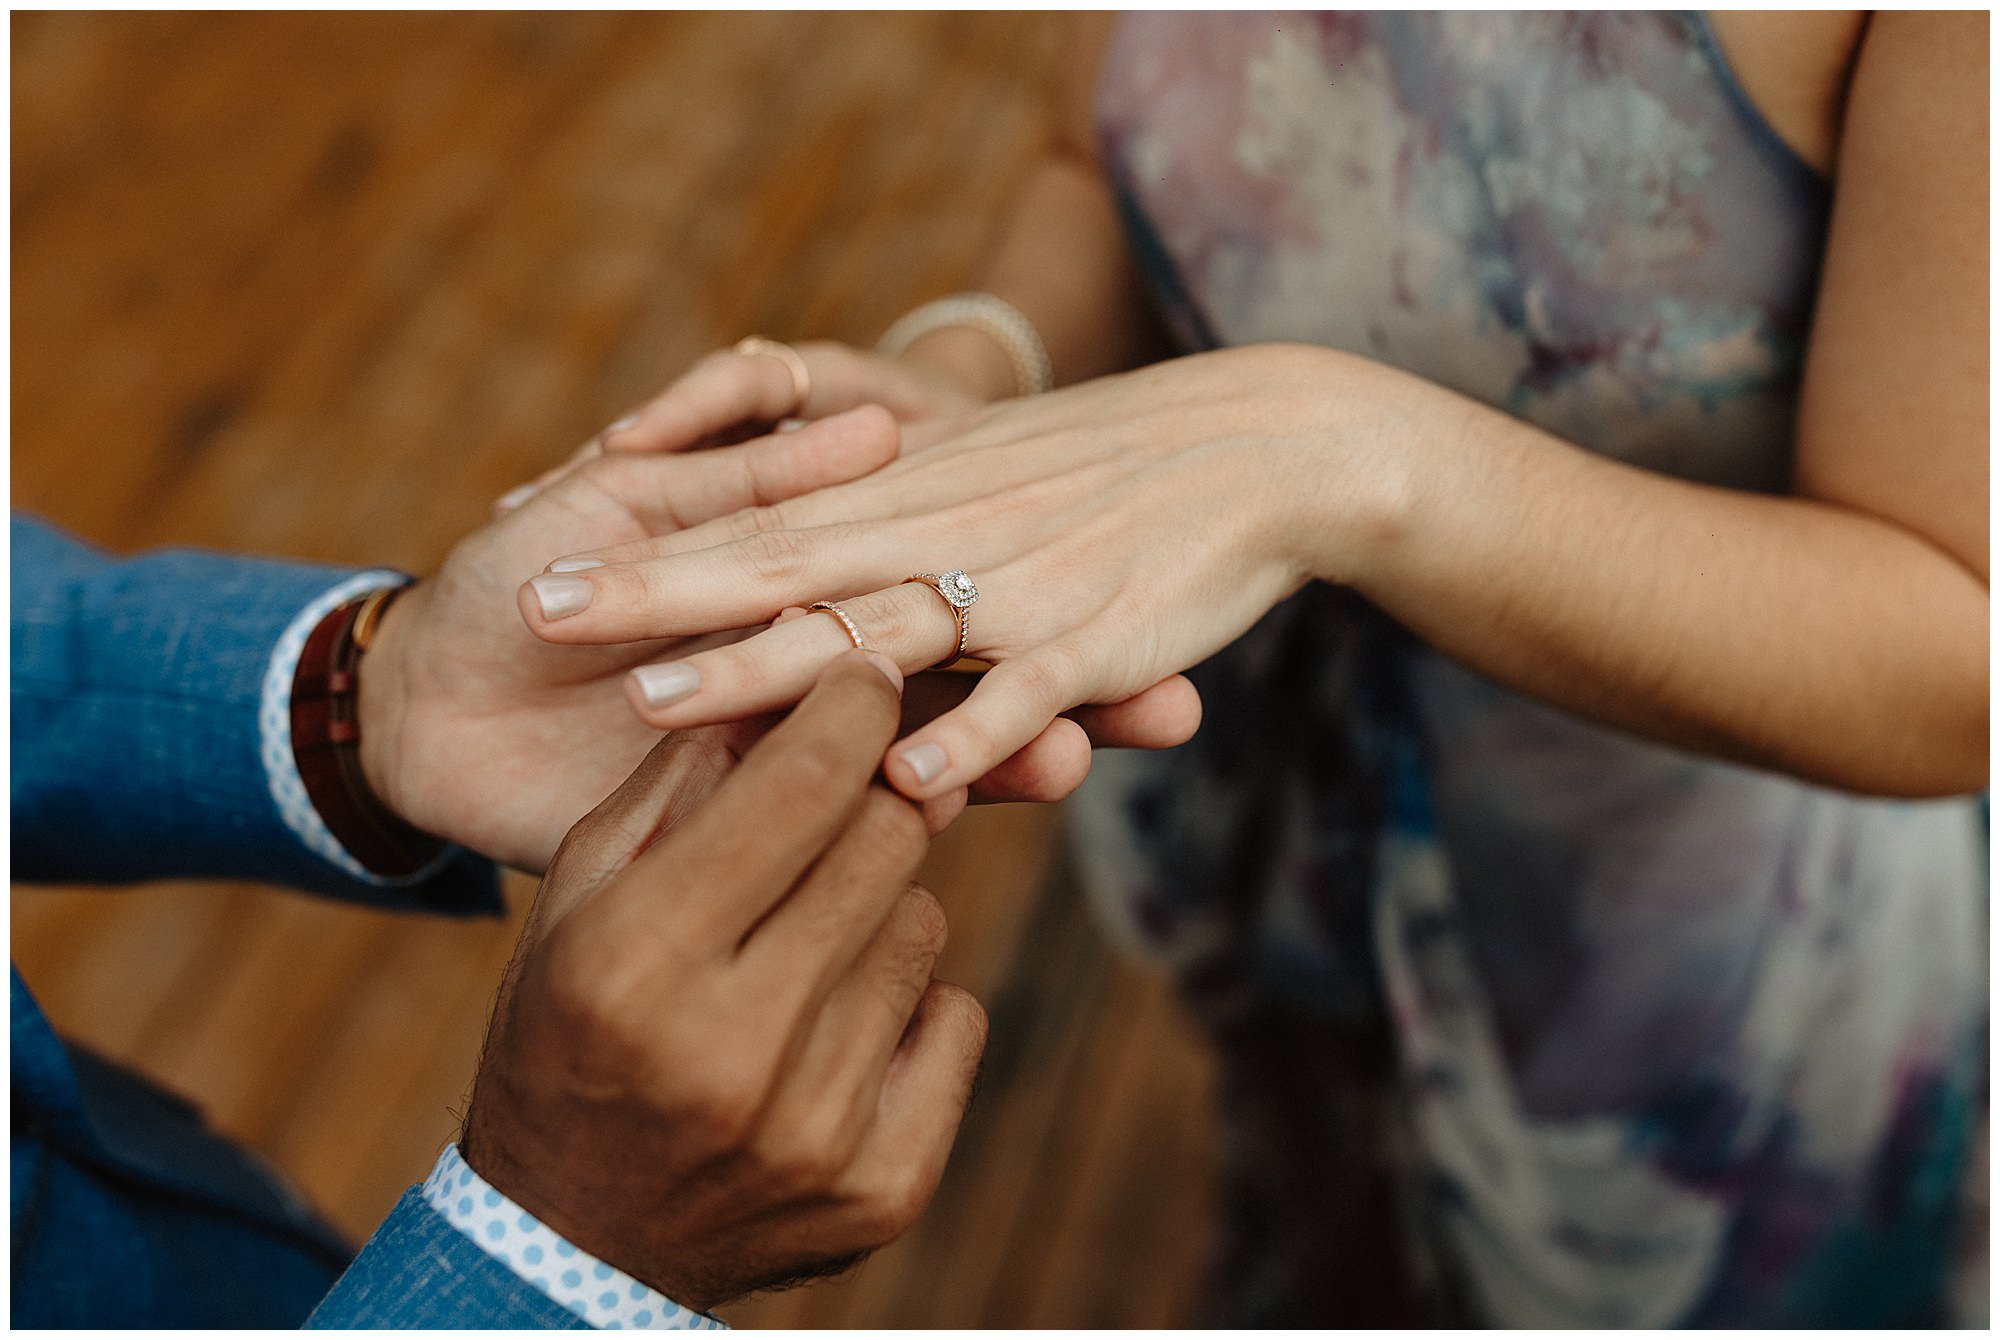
(959, 593)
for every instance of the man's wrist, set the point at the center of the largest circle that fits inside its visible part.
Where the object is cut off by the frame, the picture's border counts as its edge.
(597, 1292)
(967, 357)
(327, 737)
(381, 699)
(486, 1154)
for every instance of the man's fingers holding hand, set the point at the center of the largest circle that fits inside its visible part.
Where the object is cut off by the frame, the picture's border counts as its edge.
(811, 938)
(924, 1093)
(826, 1102)
(724, 389)
(790, 799)
(674, 492)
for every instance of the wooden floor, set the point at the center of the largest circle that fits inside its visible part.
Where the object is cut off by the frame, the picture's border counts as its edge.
(326, 285)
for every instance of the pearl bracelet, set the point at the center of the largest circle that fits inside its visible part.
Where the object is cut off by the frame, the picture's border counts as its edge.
(997, 317)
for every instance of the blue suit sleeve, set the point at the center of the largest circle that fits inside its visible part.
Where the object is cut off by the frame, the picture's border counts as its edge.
(135, 695)
(420, 1272)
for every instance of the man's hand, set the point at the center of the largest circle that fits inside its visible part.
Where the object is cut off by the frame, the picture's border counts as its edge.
(471, 731)
(718, 1060)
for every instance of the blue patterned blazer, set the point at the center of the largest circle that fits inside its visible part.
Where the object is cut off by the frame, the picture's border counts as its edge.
(135, 695)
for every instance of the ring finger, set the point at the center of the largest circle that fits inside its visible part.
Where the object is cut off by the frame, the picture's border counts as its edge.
(909, 623)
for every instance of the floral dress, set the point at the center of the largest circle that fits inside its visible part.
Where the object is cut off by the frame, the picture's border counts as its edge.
(1525, 1021)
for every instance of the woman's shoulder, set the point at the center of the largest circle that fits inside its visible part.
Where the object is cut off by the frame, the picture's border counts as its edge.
(1794, 67)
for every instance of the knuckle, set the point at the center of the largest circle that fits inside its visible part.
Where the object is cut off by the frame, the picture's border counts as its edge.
(611, 475)
(907, 1195)
(817, 767)
(922, 918)
(964, 1009)
(877, 1223)
(777, 557)
(806, 1161)
(583, 990)
(765, 519)
(907, 617)
(719, 1100)
(955, 1002)
(588, 996)
(814, 773)
(640, 588)
(1045, 676)
(748, 521)
(885, 1210)
(719, 1120)
(893, 828)
(735, 670)
(755, 475)
(582, 837)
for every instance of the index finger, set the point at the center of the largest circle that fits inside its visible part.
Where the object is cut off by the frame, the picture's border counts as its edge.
(793, 795)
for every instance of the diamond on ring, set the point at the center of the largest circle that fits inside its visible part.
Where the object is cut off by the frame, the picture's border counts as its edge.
(957, 587)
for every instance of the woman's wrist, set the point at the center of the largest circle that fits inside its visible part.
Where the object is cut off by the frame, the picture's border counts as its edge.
(1348, 484)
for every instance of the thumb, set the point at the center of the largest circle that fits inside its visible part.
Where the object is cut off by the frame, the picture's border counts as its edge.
(674, 777)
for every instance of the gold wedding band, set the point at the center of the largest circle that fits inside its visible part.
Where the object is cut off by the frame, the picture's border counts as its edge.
(751, 345)
(853, 633)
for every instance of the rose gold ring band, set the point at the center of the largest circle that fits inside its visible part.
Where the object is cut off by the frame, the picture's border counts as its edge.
(945, 584)
(853, 633)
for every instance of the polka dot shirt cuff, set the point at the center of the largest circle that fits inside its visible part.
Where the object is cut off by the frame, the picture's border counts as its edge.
(601, 1295)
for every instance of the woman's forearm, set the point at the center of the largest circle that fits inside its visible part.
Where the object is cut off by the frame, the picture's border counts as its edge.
(1779, 631)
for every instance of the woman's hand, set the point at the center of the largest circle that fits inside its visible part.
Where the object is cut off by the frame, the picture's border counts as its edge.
(476, 731)
(1131, 525)
(1119, 532)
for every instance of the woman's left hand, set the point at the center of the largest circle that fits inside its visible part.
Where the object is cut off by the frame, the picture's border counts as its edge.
(1118, 532)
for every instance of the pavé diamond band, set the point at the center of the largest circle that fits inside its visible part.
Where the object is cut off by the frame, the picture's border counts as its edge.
(846, 622)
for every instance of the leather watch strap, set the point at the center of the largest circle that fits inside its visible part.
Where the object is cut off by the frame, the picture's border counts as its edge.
(326, 743)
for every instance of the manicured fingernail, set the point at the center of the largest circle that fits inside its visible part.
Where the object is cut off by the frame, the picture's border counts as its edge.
(663, 684)
(514, 497)
(926, 761)
(561, 596)
(575, 564)
(628, 421)
(890, 670)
